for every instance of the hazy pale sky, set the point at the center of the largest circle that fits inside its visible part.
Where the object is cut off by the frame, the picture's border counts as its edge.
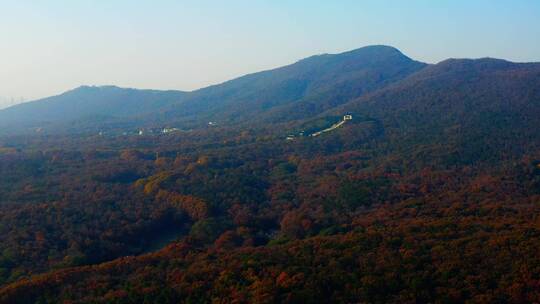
(47, 47)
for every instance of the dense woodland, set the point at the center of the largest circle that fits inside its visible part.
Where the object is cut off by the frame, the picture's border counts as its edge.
(431, 194)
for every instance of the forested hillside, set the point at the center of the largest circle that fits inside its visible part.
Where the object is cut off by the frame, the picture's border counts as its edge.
(428, 193)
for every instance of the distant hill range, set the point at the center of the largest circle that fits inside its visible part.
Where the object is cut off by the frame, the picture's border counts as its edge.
(87, 102)
(378, 80)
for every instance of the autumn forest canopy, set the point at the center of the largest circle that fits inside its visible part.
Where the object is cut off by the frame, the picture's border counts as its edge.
(360, 177)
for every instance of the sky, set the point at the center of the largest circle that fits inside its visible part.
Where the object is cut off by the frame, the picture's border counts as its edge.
(48, 47)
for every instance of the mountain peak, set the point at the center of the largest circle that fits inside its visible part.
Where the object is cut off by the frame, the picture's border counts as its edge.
(375, 54)
(369, 52)
(377, 48)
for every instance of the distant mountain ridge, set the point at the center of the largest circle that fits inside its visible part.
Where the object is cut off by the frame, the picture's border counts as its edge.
(87, 101)
(313, 84)
(359, 80)
(316, 83)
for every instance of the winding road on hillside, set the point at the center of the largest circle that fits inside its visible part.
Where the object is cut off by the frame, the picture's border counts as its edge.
(334, 126)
